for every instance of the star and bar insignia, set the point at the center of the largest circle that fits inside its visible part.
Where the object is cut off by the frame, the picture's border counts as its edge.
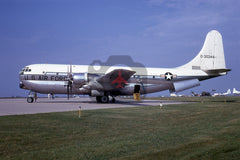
(168, 76)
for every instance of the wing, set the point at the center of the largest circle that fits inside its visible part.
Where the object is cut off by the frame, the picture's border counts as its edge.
(116, 78)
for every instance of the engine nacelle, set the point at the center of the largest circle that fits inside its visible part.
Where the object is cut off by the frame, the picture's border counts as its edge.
(84, 91)
(95, 93)
(86, 87)
(183, 85)
(80, 78)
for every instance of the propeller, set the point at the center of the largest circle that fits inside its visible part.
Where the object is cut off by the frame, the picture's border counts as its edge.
(69, 85)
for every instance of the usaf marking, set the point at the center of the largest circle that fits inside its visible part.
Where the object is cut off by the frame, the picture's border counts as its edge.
(45, 78)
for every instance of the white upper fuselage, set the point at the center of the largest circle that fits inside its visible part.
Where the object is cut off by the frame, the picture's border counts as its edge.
(44, 69)
(52, 78)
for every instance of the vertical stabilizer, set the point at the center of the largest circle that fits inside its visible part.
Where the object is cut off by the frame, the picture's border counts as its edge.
(234, 90)
(211, 56)
(229, 91)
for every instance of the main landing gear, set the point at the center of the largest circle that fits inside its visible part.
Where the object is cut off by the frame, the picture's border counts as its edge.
(104, 99)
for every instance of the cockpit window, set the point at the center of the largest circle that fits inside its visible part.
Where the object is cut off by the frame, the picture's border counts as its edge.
(26, 69)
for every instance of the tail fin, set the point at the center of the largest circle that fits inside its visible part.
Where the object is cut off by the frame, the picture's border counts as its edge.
(234, 90)
(229, 91)
(211, 57)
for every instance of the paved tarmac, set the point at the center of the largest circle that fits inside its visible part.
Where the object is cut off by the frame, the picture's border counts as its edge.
(19, 106)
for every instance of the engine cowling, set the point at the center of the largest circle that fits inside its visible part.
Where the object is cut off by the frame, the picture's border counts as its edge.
(95, 93)
(80, 78)
(85, 88)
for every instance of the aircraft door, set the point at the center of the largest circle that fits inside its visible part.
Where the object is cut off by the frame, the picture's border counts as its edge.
(136, 93)
(136, 89)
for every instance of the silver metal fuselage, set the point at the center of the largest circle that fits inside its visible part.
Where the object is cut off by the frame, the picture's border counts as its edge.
(50, 78)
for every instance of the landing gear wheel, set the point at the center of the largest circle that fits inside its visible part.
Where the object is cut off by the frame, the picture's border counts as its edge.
(30, 100)
(104, 99)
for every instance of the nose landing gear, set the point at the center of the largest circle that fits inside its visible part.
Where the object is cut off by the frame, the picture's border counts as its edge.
(31, 97)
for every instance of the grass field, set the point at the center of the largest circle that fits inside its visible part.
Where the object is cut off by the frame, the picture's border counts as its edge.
(207, 129)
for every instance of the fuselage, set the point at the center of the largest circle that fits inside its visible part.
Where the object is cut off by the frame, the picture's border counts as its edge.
(53, 78)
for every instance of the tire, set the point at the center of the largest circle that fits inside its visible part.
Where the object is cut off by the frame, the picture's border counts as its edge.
(30, 100)
(104, 99)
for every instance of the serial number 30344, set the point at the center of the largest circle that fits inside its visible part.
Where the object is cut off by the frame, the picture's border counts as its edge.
(207, 56)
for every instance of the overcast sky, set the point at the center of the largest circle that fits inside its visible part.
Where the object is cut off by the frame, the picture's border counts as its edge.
(156, 33)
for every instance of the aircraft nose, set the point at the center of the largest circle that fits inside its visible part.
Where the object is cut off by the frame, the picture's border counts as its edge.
(21, 77)
(21, 85)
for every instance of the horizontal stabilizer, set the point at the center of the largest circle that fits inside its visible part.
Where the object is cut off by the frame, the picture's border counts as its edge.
(217, 71)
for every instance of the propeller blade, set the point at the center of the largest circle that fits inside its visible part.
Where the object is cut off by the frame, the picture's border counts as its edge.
(69, 86)
(68, 91)
(70, 69)
(71, 92)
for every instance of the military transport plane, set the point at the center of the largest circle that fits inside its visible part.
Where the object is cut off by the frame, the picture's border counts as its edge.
(235, 92)
(79, 79)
